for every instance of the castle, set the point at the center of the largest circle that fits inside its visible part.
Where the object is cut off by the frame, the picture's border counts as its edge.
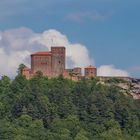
(53, 64)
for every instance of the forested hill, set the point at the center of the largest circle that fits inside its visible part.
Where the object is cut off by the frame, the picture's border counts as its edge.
(61, 109)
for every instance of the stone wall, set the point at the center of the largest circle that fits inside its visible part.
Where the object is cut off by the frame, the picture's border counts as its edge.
(40, 62)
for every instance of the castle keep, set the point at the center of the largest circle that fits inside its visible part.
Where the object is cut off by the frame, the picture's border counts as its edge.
(52, 64)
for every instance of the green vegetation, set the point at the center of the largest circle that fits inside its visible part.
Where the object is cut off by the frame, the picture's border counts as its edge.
(61, 109)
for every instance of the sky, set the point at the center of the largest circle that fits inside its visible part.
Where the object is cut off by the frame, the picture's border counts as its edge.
(105, 33)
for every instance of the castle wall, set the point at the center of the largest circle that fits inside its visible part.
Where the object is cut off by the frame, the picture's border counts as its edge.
(67, 74)
(40, 62)
(77, 71)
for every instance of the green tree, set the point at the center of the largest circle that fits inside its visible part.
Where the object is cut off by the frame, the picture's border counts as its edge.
(20, 69)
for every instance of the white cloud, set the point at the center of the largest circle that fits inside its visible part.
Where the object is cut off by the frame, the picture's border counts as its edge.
(110, 70)
(17, 44)
(77, 54)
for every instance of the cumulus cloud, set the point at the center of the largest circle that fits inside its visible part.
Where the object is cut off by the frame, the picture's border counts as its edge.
(77, 54)
(17, 44)
(110, 70)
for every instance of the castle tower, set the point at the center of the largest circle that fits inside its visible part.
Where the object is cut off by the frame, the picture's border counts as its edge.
(90, 71)
(41, 61)
(58, 61)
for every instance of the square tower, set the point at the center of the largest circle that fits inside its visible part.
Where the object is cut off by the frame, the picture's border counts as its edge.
(58, 60)
(90, 71)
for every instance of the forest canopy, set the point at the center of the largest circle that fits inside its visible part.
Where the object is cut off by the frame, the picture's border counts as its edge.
(61, 109)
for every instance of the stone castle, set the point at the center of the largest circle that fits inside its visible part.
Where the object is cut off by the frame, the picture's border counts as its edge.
(53, 64)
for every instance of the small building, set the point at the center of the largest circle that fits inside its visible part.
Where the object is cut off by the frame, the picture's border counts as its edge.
(90, 71)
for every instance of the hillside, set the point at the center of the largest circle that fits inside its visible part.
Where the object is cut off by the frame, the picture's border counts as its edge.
(61, 109)
(125, 84)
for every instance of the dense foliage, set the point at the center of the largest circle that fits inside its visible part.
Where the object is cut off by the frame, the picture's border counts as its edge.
(61, 109)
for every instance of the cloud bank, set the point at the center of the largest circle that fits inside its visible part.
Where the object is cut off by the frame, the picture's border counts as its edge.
(16, 45)
(110, 70)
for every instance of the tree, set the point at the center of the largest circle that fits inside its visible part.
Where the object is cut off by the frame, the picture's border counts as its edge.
(20, 69)
(81, 136)
(58, 108)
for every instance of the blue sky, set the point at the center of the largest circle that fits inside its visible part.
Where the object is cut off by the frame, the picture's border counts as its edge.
(110, 29)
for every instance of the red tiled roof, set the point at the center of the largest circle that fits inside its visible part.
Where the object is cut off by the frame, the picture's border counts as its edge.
(90, 67)
(41, 53)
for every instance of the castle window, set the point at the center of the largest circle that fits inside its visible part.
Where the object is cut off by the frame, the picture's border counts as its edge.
(59, 62)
